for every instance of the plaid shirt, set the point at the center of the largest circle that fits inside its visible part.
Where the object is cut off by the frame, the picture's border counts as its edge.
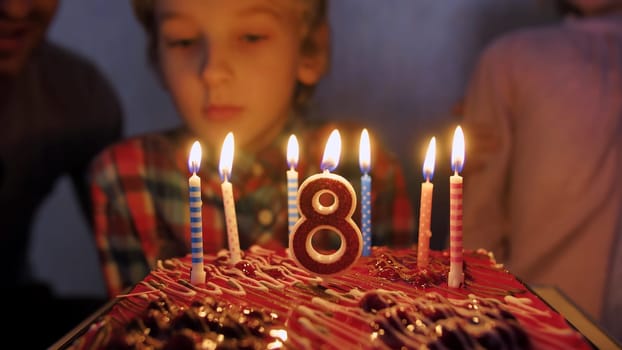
(141, 205)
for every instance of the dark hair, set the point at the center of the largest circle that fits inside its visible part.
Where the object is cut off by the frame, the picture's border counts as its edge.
(316, 16)
(565, 7)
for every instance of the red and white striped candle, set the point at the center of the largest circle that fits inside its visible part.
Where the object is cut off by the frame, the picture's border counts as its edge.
(456, 274)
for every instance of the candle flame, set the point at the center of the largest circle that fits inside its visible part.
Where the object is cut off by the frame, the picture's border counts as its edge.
(292, 151)
(457, 151)
(364, 152)
(332, 151)
(226, 157)
(430, 159)
(194, 160)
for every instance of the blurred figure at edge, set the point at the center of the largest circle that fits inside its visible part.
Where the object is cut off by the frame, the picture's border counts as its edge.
(542, 189)
(57, 111)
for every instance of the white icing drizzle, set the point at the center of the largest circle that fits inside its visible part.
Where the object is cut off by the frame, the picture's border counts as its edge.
(333, 332)
(234, 274)
(139, 293)
(309, 327)
(380, 314)
(522, 306)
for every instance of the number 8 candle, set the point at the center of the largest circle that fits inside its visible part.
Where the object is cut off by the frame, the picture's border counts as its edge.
(226, 163)
(197, 271)
(456, 275)
(315, 215)
(365, 164)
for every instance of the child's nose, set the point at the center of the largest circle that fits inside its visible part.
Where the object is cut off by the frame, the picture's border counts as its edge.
(216, 67)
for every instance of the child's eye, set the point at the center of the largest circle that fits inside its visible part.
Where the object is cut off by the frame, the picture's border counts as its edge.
(181, 43)
(253, 38)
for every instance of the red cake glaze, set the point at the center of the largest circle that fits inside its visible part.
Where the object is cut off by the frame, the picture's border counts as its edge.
(384, 301)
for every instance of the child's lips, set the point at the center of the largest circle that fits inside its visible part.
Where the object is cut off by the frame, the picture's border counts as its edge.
(12, 37)
(221, 112)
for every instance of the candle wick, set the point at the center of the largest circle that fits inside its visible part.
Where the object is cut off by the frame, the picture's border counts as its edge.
(225, 175)
(195, 167)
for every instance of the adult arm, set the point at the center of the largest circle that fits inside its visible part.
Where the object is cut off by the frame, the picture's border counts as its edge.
(488, 112)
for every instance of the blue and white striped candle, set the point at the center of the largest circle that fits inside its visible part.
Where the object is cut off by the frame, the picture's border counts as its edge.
(292, 182)
(365, 164)
(197, 271)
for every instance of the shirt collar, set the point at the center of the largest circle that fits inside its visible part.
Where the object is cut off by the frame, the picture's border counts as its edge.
(606, 24)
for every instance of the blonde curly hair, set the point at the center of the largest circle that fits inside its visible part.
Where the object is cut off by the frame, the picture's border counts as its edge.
(315, 16)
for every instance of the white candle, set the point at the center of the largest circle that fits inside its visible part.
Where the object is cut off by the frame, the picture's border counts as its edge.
(365, 164)
(292, 181)
(456, 275)
(425, 207)
(197, 270)
(226, 163)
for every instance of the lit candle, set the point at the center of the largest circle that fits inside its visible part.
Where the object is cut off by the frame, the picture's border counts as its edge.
(456, 275)
(425, 207)
(365, 164)
(292, 181)
(317, 214)
(226, 163)
(197, 271)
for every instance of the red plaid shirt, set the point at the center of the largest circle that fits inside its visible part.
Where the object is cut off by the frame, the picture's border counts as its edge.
(141, 206)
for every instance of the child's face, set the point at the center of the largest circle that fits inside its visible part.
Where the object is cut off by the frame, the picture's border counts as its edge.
(233, 65)
(596, 7)
(23, 25)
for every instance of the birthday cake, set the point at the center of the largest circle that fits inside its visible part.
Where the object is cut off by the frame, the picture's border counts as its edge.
(383, 301)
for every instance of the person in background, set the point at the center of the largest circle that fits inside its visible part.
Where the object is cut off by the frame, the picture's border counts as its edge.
(249, 68)
(57, 112)
(547, 200)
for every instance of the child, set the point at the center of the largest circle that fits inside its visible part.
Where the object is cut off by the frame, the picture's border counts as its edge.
(243, 66)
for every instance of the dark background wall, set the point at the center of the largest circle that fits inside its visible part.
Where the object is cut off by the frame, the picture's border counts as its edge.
(398, 66)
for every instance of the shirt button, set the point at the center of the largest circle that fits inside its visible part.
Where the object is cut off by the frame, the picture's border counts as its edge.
(265, 217)
(257, 169)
